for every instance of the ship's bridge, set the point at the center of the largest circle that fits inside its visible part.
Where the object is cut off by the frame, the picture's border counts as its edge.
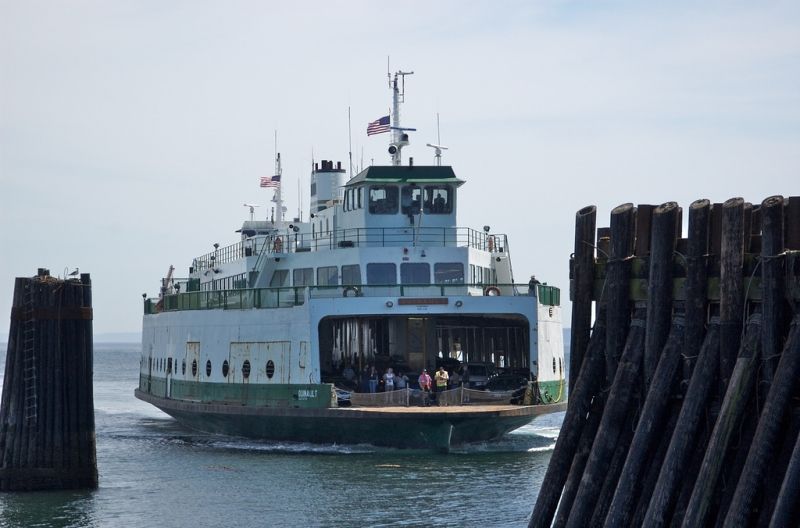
(401, 197)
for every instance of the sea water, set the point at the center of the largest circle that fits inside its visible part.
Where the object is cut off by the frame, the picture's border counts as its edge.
(153, 472)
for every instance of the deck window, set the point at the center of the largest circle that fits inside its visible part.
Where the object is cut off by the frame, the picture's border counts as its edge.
(448, 273)
(303, 276)
(280, 279)
(411, 199)
(383, 199)
(328, 276)
(415, 273)
(351, 275)
(381, 273)
(438, 199)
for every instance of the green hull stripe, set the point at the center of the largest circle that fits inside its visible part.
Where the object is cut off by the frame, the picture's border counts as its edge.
(300, 396)
(553, 391)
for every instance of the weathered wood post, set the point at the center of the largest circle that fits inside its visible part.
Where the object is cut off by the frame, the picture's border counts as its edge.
(47, 438)
(587, 388)
(659, 311)
(583, 282)
(772, 283)
(766, 437)
(659, 289)
(696, 282)
(741, 385)
(617, 290)
(623, 220)
(731, 302)
(787, 507)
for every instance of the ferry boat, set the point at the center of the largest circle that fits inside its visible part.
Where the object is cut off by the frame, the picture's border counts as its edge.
(258, 339)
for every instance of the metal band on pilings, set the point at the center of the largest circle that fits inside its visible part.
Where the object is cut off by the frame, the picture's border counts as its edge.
(701, 445)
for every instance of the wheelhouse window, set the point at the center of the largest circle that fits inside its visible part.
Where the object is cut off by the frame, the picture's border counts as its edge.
(411, 199)
(448, 273)
(280, 279)
(303, 276)
(351, 275)
(415, 273)
(328, 276)
(438, 199)
(381, 273)
(383, 199)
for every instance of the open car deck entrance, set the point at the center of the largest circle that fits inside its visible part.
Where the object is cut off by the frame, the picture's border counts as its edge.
(409, 344)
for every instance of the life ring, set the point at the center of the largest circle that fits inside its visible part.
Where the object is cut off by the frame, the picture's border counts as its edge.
(491, 243)
(347, 290)
(277, 245)
(491, 291)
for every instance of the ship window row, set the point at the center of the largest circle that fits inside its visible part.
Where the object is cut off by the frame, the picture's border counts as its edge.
(352, 199)
(378, 274)
(166, 365)
(409, 199)
(481, 275)
(234, 282)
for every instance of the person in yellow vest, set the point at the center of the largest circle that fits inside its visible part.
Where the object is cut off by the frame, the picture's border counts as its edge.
(441, 383)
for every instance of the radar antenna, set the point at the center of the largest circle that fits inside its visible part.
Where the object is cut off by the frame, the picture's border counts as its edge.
(437, 153)
(438, 147)
(252, 209)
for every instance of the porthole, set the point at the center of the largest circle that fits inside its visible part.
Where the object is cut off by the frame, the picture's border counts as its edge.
(270, 369)
(246, 369)
(194, 367)
(169, 366)
(225, 368)
(183, 367)
(208, 367)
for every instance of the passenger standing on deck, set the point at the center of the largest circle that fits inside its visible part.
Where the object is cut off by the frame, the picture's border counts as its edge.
(388, 380)
(441, 382)
(372, 375)
(400, 381)
(425, 386)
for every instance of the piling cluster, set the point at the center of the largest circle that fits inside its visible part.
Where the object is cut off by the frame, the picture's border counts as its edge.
(47, 433)
(684, 405)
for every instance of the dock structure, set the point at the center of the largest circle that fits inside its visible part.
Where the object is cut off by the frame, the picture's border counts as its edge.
(47, 431)
(685, 408)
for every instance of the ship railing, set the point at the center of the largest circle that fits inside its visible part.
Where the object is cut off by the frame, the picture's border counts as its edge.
(228, 300)
(417, 290)
(292, 242)
(242, 299)
(416, 397)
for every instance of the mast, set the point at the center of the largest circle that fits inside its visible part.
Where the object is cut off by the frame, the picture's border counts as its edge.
(399, 136)
(277, 197)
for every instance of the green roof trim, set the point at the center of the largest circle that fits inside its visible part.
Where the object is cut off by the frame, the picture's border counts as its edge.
(406, 174)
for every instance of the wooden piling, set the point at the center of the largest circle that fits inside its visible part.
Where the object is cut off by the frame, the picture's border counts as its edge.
(734, 404)
(659, 287)
(696, 282)
(648, 429)
(731, 303)
(772, 283)
(583, 281)
(623, 219)
(587, 387)
(47, 413)
(787, 508)
(765, 441)
(625, 386)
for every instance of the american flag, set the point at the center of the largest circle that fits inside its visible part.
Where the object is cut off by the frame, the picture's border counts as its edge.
(379, 126)
(274, 181)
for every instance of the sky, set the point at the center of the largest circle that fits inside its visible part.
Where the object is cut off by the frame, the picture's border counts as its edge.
(131, 133)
